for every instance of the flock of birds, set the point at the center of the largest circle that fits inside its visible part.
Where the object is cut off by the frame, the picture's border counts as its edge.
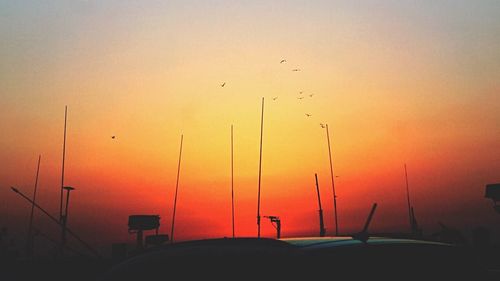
(300, 97)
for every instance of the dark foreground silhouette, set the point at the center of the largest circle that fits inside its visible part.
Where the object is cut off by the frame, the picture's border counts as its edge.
(340, 258)
(307, 259)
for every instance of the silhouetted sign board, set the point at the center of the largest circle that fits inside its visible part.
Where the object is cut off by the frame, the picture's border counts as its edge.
(143, 222)
(493, 191)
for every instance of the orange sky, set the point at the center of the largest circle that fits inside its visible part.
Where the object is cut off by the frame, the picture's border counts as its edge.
(396, 82)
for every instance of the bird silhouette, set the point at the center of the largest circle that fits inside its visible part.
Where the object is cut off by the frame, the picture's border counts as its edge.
(282, 61)
(311, 95)
(322, 125)
(113, 137)
(308, 115)
(300, 98)
(295, 69)
(223, 84)
(275, 98)
(300, 93)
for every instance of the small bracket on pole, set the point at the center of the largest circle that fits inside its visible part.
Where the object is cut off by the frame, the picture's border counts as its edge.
(276, 222)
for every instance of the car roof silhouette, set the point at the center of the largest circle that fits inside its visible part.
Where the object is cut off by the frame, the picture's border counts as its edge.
(225, 258)
(331, 242)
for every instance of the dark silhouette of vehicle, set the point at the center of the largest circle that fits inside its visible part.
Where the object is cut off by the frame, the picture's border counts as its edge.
(328, 258)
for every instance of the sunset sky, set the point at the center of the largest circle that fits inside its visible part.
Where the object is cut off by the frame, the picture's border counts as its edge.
(415, 82)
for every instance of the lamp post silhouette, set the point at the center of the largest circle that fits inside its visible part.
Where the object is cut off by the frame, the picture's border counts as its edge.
(64, 217)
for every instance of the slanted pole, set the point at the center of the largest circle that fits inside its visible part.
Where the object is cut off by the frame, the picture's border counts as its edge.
(322, 230)
(30, 241)
(176, 189)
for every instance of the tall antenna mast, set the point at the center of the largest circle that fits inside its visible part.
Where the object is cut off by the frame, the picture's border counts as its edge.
(333, 183)
(260, 168)
(322, 229)
(176, 189)
(408, 200)
(29, 244)
(63, 158)
(232, 180)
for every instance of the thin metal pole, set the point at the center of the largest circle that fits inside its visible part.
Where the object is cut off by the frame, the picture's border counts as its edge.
(317, 189)
(260, 168)
(176, 189)
(65, 219)
(58, 223)
(63, 158)
(278, 229)
(67, 204)
(333, 183)
(232, 180)
(370, 216)
(408, 199)
(322, 229)
(29, 244)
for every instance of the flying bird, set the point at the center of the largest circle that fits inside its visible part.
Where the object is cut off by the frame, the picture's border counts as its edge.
(301, 92)
(275, 98)
(282, 61)
(322, 125)
(311, 95)
(113, 137)
(223, 84)
(300, 98)
(308, 115)
(296, 69)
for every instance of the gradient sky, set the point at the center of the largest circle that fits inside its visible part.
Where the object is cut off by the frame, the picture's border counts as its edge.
(397, 81)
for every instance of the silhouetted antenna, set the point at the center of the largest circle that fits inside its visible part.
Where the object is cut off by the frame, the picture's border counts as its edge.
(370, 216)
(176, 189)
(408, 200)
(29, 244)
(333, 183)
(232, 180)
(322, 229)
(85, 244)
(363, 235)
(414, 225)
(260, 168)
(63, 158)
